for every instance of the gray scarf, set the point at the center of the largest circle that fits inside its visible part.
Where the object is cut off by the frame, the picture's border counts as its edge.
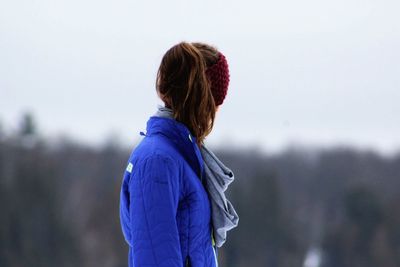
(217, 179)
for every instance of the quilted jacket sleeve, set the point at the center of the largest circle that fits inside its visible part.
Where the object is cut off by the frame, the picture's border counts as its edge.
(154, 196)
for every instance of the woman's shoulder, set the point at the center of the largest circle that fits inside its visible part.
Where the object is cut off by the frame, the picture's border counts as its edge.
(154, 145)
(156, 166)
(153, 151)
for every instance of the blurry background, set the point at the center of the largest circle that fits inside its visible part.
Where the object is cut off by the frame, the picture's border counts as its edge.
(310, 126)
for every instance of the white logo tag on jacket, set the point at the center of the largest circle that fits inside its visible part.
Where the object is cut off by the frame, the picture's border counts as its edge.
(129, 167)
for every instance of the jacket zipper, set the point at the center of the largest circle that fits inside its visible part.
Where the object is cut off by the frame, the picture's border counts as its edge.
(215, 257)
(214, 247)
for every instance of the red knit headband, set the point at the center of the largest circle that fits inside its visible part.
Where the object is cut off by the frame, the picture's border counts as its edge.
(219, 77)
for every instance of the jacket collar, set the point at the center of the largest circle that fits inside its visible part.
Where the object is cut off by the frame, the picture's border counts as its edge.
(181, 137)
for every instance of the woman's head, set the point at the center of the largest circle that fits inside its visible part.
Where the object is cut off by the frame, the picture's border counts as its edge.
(193, 79)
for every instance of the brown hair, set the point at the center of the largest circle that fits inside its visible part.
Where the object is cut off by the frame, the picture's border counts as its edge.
(182, 81)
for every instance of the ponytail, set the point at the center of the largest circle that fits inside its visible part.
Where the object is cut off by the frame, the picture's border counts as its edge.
(185, 88)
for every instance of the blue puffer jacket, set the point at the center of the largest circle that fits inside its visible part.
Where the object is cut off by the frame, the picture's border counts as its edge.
(165, 212)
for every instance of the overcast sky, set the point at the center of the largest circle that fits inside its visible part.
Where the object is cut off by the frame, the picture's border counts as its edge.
(314, 72)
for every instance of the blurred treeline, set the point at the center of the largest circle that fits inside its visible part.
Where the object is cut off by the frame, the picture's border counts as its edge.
(339, 207)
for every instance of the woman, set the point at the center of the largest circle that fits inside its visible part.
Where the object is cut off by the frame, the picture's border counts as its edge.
(173, 210)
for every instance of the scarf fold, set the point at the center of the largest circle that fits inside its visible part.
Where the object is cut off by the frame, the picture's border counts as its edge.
(217, 178)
